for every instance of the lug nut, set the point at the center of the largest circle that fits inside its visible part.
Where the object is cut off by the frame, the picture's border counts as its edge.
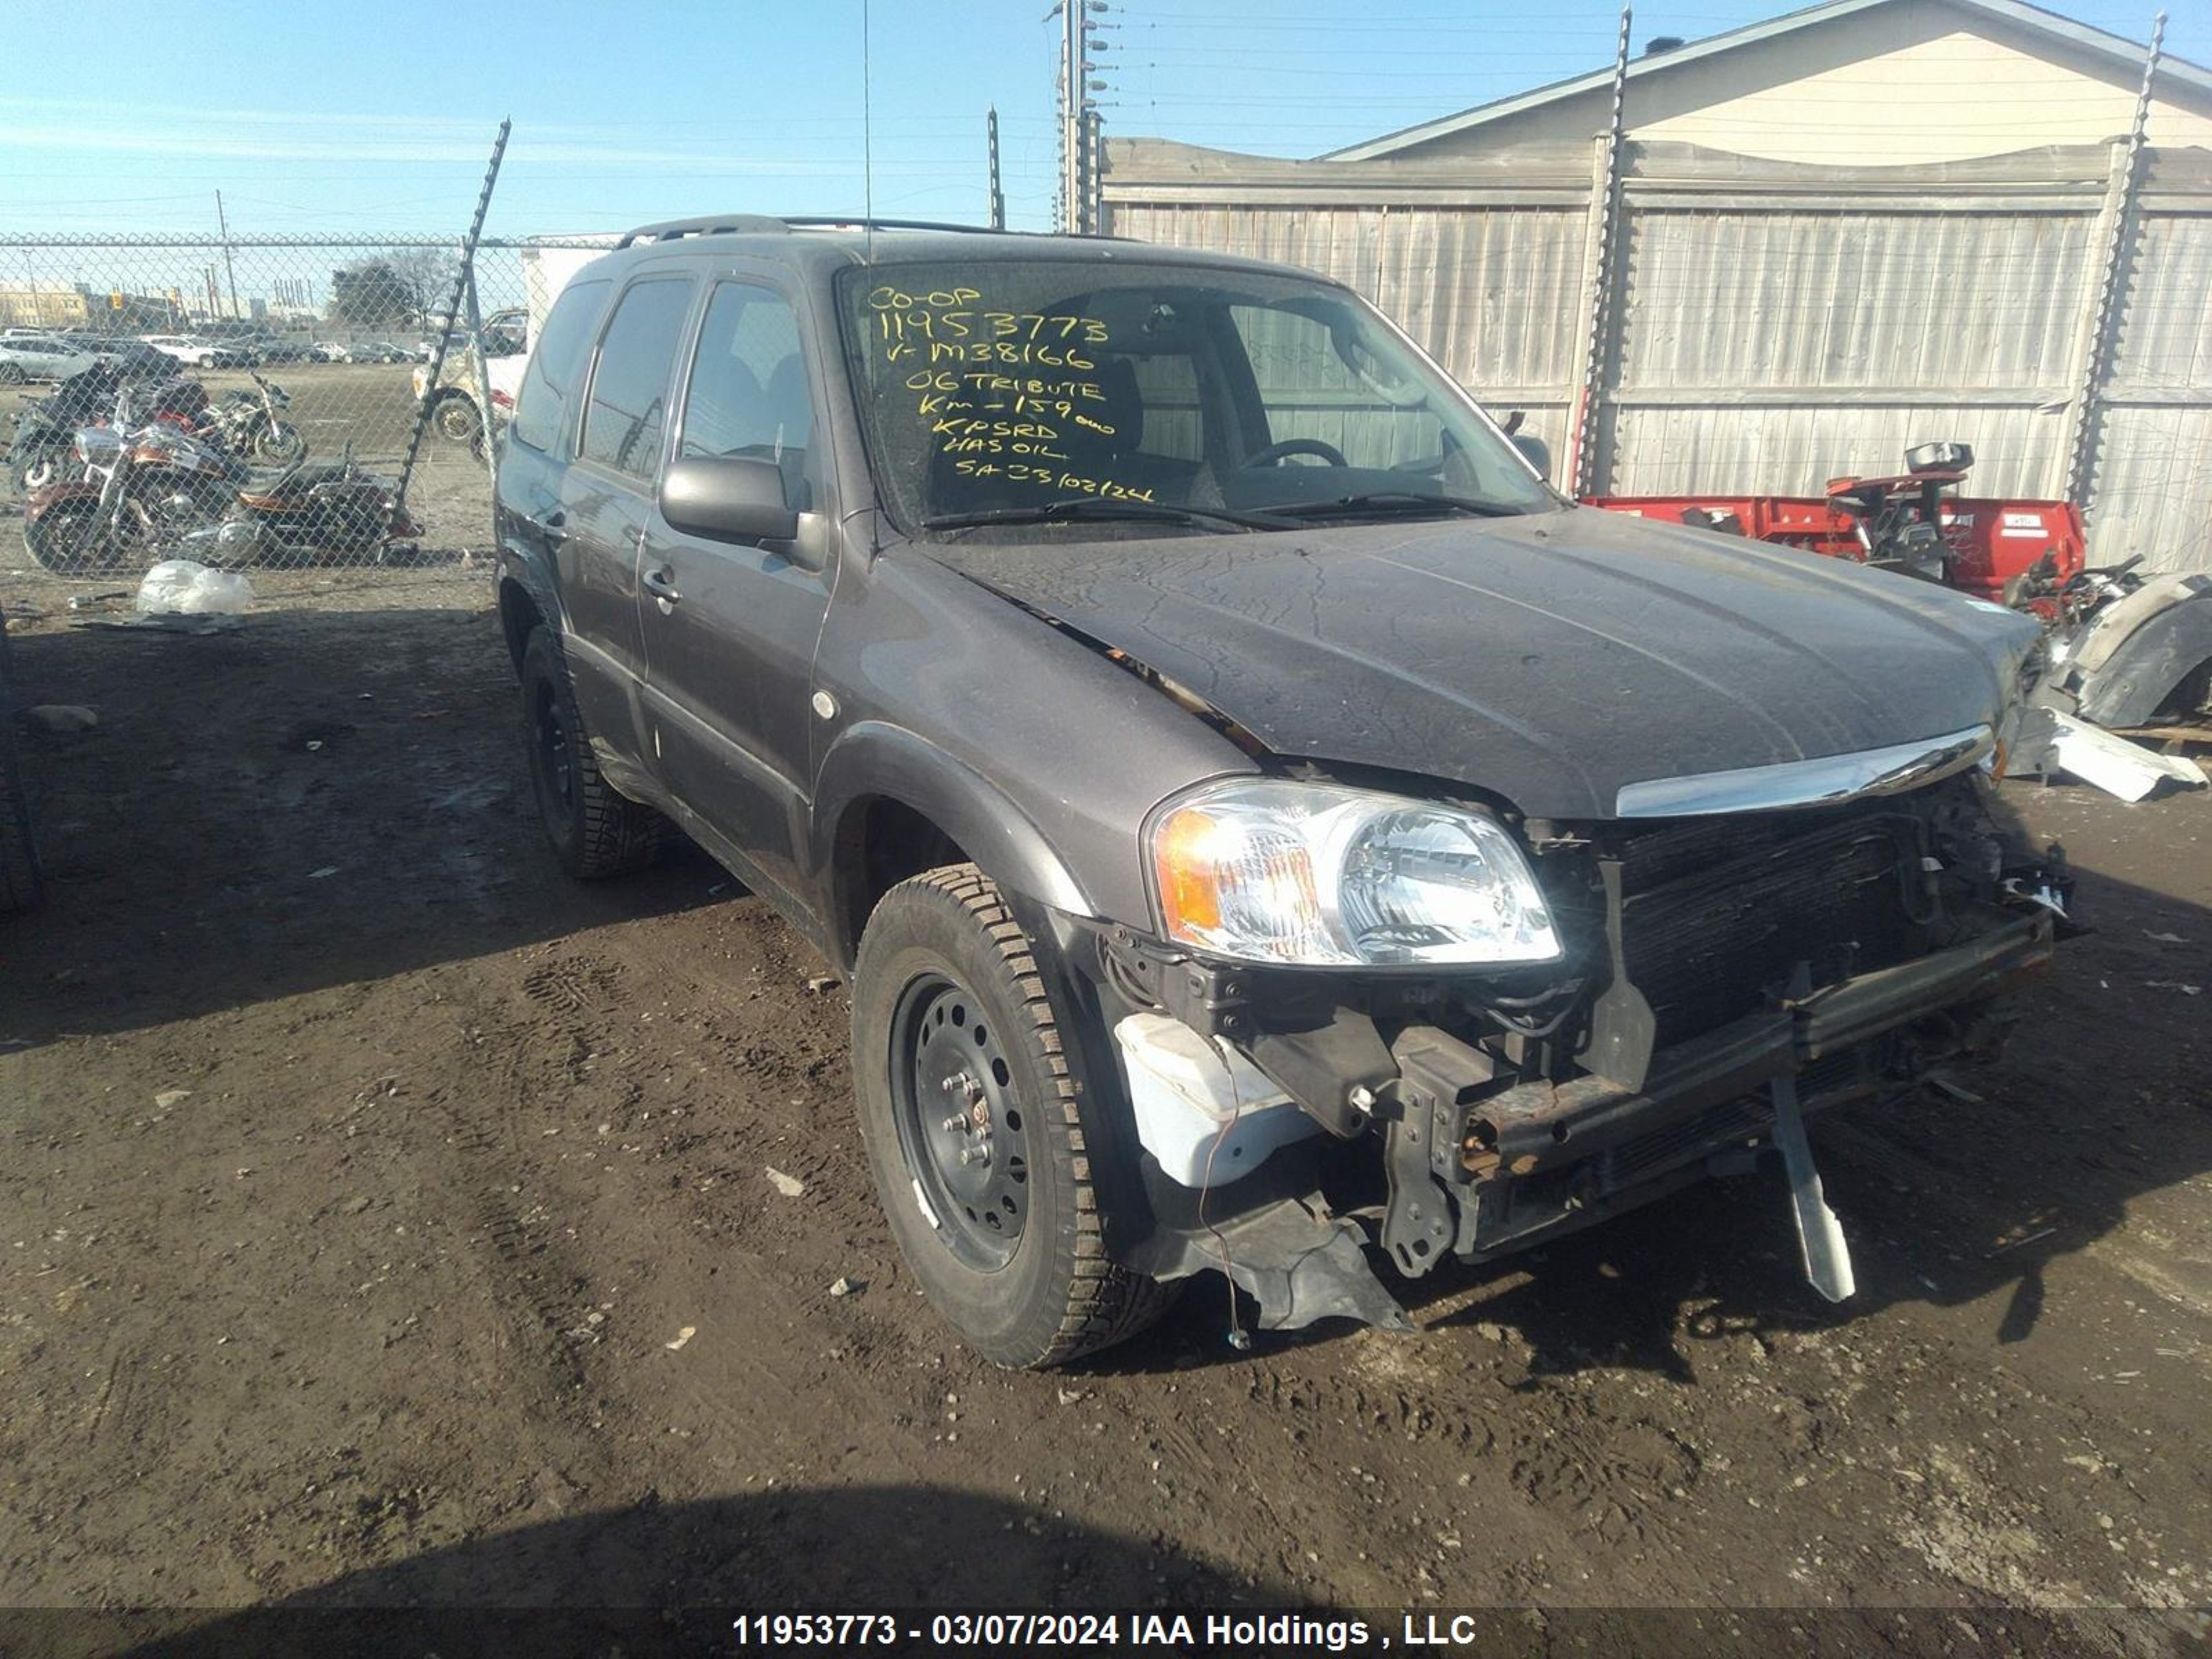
(955, 1123)
(974, 1155)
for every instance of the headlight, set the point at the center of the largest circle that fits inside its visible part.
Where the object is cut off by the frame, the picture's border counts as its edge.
(1314, 874)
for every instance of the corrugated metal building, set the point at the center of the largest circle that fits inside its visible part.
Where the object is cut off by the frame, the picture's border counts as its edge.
(1764, 324)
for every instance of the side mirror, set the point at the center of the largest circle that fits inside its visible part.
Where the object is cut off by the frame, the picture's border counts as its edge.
(1536, 452)
(739, 499)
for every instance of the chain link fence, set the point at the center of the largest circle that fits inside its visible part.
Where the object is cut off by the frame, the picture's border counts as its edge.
(258, 403)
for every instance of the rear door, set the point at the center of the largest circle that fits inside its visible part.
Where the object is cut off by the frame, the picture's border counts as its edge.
(607, 492)
(730, 628)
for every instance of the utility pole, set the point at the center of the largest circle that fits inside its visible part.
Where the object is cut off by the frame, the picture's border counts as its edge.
(1071, 116)
(229, 269)
(997, 204)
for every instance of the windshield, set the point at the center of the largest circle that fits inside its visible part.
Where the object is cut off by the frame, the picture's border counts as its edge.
(998, 390)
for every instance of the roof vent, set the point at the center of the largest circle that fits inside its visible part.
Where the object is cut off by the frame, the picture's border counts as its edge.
(1661, 43)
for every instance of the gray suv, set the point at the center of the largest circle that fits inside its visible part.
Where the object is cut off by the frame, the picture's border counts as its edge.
(1259, 820)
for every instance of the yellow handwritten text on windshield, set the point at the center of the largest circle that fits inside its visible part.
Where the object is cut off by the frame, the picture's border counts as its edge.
(999, 393)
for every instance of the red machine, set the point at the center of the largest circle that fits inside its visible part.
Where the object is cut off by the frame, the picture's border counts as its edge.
(1914, 522)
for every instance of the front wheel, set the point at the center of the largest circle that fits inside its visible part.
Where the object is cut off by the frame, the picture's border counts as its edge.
(40, 469)
(973, 1110)
(281, 442)
(70, 539)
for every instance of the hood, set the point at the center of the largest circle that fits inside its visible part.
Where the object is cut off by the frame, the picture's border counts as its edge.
(1550, 659)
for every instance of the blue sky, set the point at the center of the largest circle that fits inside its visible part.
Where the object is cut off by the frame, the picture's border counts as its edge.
(377, 120)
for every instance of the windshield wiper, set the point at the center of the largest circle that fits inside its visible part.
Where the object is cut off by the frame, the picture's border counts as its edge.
(1398, 500)
(1091, 506)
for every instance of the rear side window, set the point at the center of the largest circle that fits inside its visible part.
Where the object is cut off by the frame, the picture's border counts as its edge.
(553, 366)
(628, 410)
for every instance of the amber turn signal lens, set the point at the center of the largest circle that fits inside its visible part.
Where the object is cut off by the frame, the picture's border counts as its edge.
(1186, 874)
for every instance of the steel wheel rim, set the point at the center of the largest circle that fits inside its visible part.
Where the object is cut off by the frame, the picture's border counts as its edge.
(556, 763)
(952, 1096)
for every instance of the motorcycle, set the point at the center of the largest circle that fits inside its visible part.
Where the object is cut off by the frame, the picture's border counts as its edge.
(156, 491)
(249, 425)
(46, 431)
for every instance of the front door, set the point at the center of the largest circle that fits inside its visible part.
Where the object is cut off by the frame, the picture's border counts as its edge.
(730, 628)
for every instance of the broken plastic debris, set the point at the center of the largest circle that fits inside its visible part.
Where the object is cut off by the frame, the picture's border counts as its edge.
(327, 870)
(789, 1185)
(682, 1337)
(169, 1097)
(845, 1286)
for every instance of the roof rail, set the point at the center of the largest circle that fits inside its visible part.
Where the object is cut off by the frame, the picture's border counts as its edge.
(719, 224)
(858, 222)
(762, 224)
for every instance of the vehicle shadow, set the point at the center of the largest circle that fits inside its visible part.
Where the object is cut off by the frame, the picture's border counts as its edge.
(314, 799)
(671, 1577)
(920, 1570)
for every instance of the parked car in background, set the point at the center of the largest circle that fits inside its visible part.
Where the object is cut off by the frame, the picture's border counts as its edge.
(133, 360)
(260, 349)
(196, 352)
(41, 357)
(381, 351)
(331, 351)
(1243, 800)
(457, 406)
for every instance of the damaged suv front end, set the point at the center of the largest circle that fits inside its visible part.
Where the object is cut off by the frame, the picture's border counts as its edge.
(1537, 1024)
(1540, 861)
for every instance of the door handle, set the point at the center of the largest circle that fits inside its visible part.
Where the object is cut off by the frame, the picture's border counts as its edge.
(552, 526)
(660, 586)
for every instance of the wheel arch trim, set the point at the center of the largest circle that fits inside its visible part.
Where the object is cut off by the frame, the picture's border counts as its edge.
(874, 760)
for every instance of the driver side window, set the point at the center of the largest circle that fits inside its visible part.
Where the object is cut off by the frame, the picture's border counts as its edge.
(750, 394)
(1308, 391)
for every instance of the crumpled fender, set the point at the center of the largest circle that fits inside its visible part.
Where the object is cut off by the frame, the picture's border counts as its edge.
(2142, 649)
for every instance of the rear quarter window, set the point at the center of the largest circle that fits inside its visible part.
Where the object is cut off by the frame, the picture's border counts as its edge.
(552, 372)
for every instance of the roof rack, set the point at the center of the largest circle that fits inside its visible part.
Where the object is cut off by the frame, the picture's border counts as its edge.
(762, 224)
(722, 224)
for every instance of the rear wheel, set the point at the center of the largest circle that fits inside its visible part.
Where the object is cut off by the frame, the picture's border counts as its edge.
(596, 831)
(11, 373)
(456, 418)
(972, 1108)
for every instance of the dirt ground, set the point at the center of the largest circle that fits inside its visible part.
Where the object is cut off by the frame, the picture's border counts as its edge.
(384, 1218)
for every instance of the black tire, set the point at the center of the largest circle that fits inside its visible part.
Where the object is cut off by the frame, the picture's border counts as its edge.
(944, 957)
(596, 831)
(68, 539)
(21, 882)
(11, 374)
(455, 418)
